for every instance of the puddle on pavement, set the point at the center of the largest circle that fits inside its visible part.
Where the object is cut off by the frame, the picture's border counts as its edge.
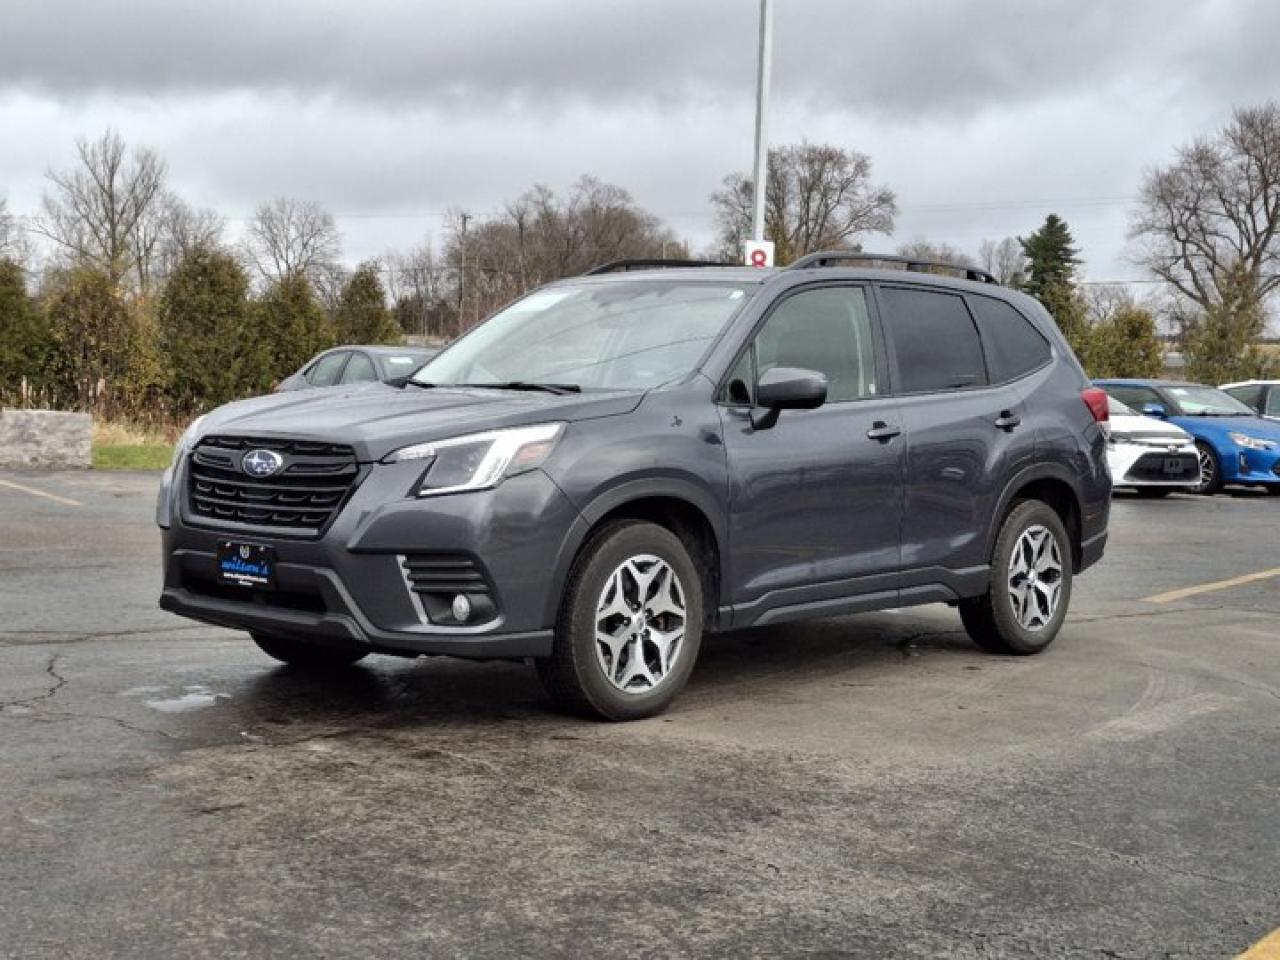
(193, 697)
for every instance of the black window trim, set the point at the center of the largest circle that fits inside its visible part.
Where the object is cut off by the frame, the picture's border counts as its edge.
(893, 349)
(378, 372)
(878, 344)
(1027, 320)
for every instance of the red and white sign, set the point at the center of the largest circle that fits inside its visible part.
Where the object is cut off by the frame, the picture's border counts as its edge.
(758, 253)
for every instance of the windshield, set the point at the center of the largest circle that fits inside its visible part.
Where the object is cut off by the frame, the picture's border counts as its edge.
(1208, 402)
(621, 335)
(1118, 409)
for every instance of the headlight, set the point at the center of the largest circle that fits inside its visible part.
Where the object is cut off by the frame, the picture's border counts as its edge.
(188, 440)
(1251, 443)
(480, 460)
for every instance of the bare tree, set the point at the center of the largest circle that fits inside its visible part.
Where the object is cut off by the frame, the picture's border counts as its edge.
(1003, 259)
(13, 239)
(103, 212)
(416, 285)
(817, 197)
(292, 238)
(1209, 223)
(542, 236)
(939, 252)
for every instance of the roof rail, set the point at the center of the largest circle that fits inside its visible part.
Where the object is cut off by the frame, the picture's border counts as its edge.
(650, 263)
(827, 258)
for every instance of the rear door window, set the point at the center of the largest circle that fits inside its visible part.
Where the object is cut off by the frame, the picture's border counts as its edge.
(934, 339)
(1012, 345)
(325, 371)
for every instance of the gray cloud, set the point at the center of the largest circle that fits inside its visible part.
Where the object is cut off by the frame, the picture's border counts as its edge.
(928, 57)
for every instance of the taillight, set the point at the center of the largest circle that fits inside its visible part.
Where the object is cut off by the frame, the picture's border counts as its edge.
(1096, 400)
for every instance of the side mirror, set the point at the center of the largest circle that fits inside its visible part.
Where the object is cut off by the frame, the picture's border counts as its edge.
(789, 388)
(1154, 410)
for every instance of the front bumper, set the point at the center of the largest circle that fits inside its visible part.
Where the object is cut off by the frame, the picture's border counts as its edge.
(350, 586)
(1251, 466)
(1143, 465)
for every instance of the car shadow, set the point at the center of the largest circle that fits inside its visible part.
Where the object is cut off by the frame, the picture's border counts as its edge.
(384, 693)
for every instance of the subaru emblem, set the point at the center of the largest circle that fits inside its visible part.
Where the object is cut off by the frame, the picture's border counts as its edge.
(261, 463)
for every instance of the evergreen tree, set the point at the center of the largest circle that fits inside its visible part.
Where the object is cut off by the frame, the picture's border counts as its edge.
(212, 351)
(293, 325)
(24, 339)
(1052, 258)
(1123, 344)
(362, 315)
(94, 337)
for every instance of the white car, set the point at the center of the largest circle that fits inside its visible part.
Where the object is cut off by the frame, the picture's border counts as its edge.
(1262, 395)
(1153, 457)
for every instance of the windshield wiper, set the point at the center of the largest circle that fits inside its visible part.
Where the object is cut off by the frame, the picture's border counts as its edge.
(401, 382)
(556, 388)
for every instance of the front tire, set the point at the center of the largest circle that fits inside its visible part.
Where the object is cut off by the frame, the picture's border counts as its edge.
(1030, 586)
(308, 656)
(630, 625)
(1210, 470)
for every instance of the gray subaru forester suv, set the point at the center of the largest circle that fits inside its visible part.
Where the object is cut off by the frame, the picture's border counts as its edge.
(618, 463)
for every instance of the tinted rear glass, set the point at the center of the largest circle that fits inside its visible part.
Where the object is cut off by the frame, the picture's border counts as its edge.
(1013, 346)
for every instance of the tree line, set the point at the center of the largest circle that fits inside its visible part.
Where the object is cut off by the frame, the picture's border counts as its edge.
(120, 298)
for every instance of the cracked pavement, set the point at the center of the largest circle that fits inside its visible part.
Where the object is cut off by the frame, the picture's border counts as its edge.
(870, 787)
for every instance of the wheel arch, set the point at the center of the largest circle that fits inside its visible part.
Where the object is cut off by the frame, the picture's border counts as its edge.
(1051, 485)
(685, 509)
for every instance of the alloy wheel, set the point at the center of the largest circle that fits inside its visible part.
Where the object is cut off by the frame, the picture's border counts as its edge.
(640, 624)
(1035, 577)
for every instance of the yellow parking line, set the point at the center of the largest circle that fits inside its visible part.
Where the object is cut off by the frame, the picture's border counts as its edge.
(1211, 587)
(1268, 948)
(66, 501)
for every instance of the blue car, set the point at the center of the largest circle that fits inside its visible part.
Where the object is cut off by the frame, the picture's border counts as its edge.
(1234, 443)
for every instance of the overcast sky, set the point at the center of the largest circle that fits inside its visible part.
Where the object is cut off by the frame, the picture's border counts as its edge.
(982, 116)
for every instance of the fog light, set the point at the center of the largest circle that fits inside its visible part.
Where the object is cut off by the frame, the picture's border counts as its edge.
(461, 608)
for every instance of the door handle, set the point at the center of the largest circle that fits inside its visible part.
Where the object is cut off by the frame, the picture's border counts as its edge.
(883, 432)
(1008, 420)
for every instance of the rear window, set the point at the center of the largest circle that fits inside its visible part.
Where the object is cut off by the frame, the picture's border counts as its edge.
(935, 340)
(1013, 346)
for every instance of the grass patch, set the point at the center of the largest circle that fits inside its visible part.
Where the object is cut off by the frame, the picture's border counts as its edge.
(130, 446)
(145, 456)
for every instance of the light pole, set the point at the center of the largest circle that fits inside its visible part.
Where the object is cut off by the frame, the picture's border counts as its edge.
(762, 108)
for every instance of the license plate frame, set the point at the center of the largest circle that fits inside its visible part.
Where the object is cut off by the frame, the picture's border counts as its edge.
(251, 565)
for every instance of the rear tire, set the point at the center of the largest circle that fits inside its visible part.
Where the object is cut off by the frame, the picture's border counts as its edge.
(306, 655)
(1030, 586)
(1210, 470)
(630, 625)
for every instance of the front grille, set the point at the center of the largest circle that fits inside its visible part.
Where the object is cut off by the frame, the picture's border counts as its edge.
(1150, 467)
(301, 498)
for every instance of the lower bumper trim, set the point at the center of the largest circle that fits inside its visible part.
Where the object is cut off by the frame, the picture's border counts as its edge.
(337, 627)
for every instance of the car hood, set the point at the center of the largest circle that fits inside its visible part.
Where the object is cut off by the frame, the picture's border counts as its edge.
(1147, 428)
(377, 418)
(1255, 426)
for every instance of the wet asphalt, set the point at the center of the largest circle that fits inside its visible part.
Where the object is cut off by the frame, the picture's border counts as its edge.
(869, 787)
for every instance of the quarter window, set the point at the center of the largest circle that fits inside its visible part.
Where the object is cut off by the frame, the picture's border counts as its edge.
(1012, 345)
(828, 330)
(936, 343)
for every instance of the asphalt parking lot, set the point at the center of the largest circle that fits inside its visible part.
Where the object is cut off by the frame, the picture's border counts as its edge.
(865, 787)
